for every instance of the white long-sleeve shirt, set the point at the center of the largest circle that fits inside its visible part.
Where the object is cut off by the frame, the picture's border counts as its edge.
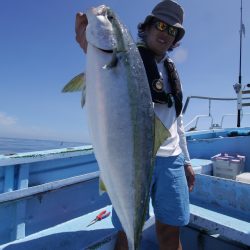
(177, 142)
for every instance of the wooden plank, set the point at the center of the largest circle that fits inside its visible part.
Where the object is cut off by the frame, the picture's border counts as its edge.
(19, 230)
(23, 176)
(23, 182)
(9, 178)
(21, 158)
(45, 188)
(214, 222)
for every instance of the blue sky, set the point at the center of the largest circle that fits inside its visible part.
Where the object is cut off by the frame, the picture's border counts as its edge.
(38, 55)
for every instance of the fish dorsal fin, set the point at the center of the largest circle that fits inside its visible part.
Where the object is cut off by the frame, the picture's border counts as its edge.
(161, 134)
(77, 83)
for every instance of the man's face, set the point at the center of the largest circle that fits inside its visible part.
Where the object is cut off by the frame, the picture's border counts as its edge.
(159, 41)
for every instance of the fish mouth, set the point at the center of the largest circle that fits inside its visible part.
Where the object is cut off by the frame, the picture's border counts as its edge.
(107, 50)
(99, 31)
(100, 10)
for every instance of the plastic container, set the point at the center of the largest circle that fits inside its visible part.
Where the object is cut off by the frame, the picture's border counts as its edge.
(228, 166)
(244, 177)
(202, 166)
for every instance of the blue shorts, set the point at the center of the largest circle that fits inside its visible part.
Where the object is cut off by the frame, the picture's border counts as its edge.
(169, 192)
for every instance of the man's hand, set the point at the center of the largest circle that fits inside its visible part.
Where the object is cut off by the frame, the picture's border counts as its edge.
(80, 28)
(190, 175)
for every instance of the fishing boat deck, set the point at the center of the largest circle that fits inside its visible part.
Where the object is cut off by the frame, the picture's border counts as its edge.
(38, 210)
(72, 234)
(75, 233)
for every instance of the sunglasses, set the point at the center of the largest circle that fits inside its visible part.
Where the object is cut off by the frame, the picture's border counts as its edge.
(161, 26)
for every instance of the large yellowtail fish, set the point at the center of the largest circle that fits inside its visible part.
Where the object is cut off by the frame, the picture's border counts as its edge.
(124, 130)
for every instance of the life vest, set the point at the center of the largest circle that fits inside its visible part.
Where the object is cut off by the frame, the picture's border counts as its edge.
(155, 81)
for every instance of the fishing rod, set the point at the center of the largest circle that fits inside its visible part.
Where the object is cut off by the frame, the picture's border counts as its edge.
(238, 86)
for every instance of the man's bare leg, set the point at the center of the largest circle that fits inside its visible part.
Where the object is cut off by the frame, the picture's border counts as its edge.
(168, 236)
(121, 242)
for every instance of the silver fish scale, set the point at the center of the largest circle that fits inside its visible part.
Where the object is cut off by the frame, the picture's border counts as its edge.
(143, 130)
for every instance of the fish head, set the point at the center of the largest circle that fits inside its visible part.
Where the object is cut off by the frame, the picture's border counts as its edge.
(99, 31)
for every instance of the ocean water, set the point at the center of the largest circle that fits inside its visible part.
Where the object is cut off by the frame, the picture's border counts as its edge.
(16, 145)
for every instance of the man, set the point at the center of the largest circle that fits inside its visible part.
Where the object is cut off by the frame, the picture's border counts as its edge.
(173, 175)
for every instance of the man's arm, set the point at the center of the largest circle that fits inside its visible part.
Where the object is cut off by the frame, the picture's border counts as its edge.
(183, 144)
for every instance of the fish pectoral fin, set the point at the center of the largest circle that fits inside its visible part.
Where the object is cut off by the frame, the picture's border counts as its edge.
(161, 134)
(102, 187)
(77, 83)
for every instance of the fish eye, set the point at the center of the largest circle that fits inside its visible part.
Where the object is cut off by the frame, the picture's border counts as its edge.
(110, 17)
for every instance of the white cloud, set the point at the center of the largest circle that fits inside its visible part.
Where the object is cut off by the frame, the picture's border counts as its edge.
(6, 120)
(180, 55)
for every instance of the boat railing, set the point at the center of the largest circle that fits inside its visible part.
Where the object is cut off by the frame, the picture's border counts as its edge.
(227, 115)
(35, 182)
(23, 170)
(197, 118)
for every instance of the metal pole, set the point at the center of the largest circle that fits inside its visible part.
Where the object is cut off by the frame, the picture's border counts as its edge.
(239, 95)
